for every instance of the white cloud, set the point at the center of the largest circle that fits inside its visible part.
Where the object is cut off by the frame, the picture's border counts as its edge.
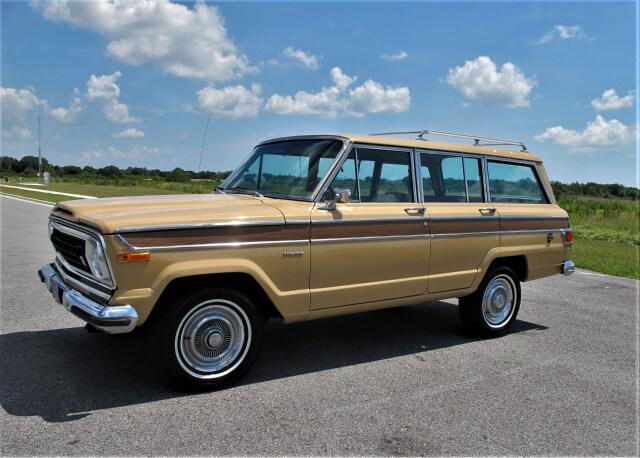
(563, 32)
(118, 112)
(611, 101)
(337, 100)
(480, 79)
(187, 42)
(399, 56)
(104, 88)
(235, 102)
(308, 60)
(129, 133)
(17, 105)
(598, 133)
(72, 115)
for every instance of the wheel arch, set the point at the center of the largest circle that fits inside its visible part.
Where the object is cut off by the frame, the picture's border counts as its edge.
(239, 281)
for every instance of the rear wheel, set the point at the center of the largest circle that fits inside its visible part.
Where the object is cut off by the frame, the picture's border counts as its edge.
(493, 308)
(209, 339)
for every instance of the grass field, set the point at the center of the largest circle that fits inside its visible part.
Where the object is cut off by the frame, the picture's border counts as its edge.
(606, 231)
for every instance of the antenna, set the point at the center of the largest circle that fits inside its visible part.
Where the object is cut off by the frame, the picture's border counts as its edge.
(202, 151)
(39, 150)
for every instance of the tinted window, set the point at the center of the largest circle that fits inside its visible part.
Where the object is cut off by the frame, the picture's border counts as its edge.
(514, 183)
(443, 178)
(385, 176)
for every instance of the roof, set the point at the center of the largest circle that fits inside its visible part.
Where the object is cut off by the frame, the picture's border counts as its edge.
(426, 144)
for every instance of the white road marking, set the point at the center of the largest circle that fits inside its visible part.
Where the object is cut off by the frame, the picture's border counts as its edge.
(49, 192)
(31, 201)
(589, 273)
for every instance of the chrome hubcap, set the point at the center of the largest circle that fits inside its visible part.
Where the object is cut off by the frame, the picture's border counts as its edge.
(212, 339)
(498, 302)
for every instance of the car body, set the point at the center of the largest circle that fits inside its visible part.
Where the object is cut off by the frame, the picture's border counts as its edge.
(310, 227)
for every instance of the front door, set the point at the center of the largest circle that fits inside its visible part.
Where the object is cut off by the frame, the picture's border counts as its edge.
(375, 247)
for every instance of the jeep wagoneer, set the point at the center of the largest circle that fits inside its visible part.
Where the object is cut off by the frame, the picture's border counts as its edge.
(310, 227)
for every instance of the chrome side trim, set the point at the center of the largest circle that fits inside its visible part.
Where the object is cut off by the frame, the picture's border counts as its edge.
(458, 218)
(210, 245)
(535, 217)
(369, 239)
(199, 226)
(111, 320)
(532, 231)
(464, 234)
(370, 220)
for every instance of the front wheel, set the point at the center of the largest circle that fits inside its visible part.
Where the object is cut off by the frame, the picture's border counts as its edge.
(210, 339)
(493, 308)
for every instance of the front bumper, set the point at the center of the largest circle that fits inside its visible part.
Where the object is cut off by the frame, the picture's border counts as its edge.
(110, 320)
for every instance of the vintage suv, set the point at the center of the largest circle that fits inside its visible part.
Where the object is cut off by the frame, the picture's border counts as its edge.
(310, 227)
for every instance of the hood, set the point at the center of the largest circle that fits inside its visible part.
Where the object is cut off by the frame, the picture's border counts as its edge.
(110, 214)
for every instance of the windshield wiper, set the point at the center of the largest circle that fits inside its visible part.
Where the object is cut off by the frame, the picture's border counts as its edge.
(240, 190)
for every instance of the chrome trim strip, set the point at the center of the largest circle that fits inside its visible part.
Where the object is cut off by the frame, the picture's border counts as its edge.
(535, 217)
(84, 232)
(369, 239)
(211, 245)
(111, 320)
(457, 218)
(532, 231)
(198, 226)
(463, 234)
(371, 220)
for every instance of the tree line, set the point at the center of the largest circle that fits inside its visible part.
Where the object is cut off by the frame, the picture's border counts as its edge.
(28, 166)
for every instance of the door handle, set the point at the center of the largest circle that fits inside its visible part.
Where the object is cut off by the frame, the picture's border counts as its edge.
(488, 209)
(420, 210)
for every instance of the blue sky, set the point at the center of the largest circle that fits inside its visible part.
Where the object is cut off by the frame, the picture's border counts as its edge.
(132, 83)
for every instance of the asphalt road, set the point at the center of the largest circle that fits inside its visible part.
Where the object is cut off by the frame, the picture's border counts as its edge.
(393, 382)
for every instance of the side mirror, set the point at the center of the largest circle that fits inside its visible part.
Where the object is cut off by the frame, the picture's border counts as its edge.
(332, 197)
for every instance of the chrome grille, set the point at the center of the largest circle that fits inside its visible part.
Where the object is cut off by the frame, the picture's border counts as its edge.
(70, 248)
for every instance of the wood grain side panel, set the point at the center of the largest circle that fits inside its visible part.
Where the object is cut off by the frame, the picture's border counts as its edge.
(533, 224)
(464, 226)
(367, 229)
(209, 236)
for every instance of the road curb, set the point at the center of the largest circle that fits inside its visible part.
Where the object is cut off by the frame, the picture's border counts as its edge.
(51, 204)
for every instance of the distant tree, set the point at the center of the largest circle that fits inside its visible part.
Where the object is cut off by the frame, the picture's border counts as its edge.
(32, 162)
(110, 171)
(71, 170)
(9, 165)
(137, 171)
(178, 175)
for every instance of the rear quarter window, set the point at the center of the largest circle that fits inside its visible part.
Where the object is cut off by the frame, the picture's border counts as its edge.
(514, 183)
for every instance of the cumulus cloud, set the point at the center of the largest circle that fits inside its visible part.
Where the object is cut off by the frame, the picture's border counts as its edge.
(307, 60)
(73, 115)
(104, 88)
(17, 106)
(331, 102)
(611, 101)
(598, 133)
(563, 32)
(187, 42)
(235, 102)
(129, 133)
(399, 56)
(480, 79)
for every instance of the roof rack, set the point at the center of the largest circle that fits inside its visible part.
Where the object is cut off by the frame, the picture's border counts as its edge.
(476, 139)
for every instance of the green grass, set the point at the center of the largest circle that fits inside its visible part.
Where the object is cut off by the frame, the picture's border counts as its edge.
(610, 258)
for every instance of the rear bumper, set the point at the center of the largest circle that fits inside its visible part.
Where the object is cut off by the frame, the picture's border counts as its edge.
(111, 320)
(568, 268)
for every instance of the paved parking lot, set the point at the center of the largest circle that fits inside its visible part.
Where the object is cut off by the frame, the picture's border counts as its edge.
(393, 382)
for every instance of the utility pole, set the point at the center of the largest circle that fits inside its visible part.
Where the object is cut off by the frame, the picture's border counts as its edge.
(39, 151)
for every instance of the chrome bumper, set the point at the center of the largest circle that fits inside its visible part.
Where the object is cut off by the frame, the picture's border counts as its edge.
(110, 320)
(568, 268)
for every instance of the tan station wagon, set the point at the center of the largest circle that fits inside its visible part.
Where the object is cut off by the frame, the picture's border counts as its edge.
(310, 227)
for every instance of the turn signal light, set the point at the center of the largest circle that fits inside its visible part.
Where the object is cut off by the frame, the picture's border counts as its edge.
(569, 236)
(126, 257)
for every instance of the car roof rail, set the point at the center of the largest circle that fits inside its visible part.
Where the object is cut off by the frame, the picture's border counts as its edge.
(476, 140)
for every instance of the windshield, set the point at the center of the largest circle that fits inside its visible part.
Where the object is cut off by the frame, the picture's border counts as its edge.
(285, 169)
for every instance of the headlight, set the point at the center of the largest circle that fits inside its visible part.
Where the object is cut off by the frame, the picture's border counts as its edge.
(96, 259)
